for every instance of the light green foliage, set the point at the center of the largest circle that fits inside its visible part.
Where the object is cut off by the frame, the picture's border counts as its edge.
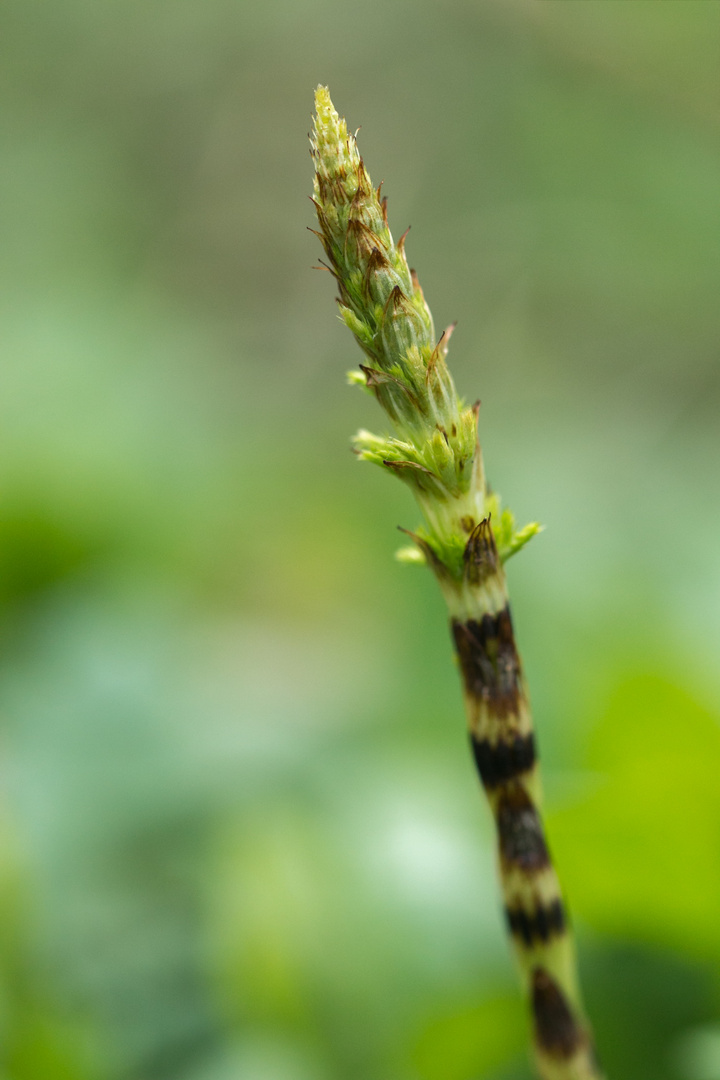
(451, 1045)
(654, 870)
(435, 450)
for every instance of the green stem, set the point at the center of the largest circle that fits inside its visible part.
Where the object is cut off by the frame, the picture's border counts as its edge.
(465, 540)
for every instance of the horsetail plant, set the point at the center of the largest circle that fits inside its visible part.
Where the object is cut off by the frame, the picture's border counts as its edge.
(465, 540)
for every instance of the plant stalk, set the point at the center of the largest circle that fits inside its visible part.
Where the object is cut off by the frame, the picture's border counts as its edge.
(465, 539)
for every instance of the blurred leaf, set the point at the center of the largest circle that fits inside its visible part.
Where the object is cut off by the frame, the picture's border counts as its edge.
(37, 551)
(639, 854)
(473, 1042)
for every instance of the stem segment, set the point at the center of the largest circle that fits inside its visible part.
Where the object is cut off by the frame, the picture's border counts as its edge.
(465, 539)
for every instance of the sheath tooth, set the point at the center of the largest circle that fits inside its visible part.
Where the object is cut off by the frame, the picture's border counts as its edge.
(556, 1031)
(504, 760)
(489, 660)
(520, 833)
(538, 926)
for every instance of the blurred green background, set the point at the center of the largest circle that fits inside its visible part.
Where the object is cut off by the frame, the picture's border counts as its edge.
(241, 834)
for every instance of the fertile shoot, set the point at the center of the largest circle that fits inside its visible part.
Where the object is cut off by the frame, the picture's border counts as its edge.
(465, 538)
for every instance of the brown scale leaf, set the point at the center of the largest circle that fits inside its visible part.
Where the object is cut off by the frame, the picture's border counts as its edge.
(378, 261)
(480, 555)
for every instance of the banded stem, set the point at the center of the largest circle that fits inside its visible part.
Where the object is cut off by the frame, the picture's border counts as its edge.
(466, 539)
